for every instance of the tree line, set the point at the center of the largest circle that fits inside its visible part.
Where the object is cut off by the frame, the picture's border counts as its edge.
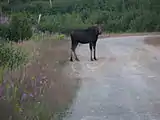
(64, 15)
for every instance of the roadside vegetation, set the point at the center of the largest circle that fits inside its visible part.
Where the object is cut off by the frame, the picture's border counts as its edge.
(64, 15)
(25, 97)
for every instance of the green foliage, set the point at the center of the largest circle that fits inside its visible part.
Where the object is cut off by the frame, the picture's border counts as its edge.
(59, 36)
(10, 56)
(4, 31)
(20, 28)
(148, 22)
(117, 15)
(62, 23)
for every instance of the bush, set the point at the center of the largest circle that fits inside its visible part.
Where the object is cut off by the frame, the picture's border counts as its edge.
(10, 56)
(20, 28)
(62, 23)
(4, 31)
(143, 23)
(45, 27)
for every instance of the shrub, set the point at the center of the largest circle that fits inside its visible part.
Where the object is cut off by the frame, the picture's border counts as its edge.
(45, 27)
(143, 22)
(20, 28)
(62, 23)
(59, 36)
(4, 31)
(10, 56)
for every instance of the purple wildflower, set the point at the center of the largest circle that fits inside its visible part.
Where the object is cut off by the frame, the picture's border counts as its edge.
(24, 96)
(38, 79)
(31, 95)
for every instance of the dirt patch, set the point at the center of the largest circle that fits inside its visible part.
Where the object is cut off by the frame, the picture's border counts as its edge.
(155, 41)
(127, 34)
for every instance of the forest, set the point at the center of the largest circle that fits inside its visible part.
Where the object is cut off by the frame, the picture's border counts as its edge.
(63, 15)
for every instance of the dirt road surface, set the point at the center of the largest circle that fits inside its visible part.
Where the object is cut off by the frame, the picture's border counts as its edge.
(123, 84)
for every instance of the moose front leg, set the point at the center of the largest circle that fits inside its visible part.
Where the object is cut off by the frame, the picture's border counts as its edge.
(90, 46)
(94, 49)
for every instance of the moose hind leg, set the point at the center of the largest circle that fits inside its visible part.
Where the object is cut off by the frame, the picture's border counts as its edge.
(71, 56)
(74, 50)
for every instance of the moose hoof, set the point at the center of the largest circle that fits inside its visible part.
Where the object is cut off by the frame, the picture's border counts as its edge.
(95, 59)
(71, 59)
(77, 59)
(91, 59)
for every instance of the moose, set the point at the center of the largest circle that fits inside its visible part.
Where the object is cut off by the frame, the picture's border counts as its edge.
(85, 36)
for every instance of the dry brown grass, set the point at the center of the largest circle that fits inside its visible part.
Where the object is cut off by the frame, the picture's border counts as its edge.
(50, 57)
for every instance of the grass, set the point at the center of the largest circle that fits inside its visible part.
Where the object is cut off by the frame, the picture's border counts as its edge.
(40, 89)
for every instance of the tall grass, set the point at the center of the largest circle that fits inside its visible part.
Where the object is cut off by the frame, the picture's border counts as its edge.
(24, 93)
